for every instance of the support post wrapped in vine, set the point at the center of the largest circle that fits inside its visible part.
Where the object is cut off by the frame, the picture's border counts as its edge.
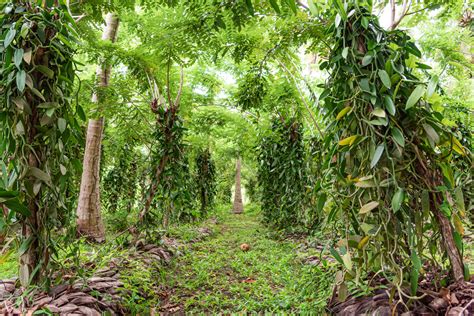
(38, 125)
(205, 179)
(391, 161)
(169, 160)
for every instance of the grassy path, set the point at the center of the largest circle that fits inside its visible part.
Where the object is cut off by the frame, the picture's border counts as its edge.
(216, 276)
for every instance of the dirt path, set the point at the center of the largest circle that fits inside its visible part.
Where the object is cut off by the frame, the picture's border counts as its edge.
(215, 275)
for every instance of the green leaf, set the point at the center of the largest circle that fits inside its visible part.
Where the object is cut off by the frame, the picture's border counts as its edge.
(425, 202)
(432, 86)
(384, 77)
(448, 174)
(336, 255)
(398, 136)
(8, 57)
(379, 112)
(377, 154)
(250, 6)
(21, 80)
(368, 207)
(364, 22)
(80, 112)
(458, 240)
(9, 37)
(460, 200)
(61, 124)
(415, 96)
(364, 84)
(389, 106)
(430, 131)
(16, 206)
(346, 258)
(344, 53)
(46, 71)
(340, 9)
(19, 128)
(321, 201)
(379, 122)
(18, 57)
(365, 184)
(367, 60)
(24, 245)
(423, 66)
(24, 29)
(414, 275)
(415, 260)
(292, 4)
(312, 7)
(39, 174)
(397, 200)
(275, 6)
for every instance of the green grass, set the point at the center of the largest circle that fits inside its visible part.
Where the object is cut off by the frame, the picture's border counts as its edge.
(216, 276)
(8, 265)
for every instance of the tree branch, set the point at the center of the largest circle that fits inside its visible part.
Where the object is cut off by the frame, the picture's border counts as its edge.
(178, 96)
(168, 85)
(406, 7)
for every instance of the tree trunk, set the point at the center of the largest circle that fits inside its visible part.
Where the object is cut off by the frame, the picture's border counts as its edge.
(238, 205)
(30, 227)
(155, 182)
(457, 267)
(89, 219)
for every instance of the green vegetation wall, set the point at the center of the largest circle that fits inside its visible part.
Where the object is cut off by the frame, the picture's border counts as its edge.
(391, 160)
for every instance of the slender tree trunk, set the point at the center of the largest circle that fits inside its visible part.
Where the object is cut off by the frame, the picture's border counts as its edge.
(452, 250)
(238, 205)
(155, 182)
(89, 219)
(30, 227)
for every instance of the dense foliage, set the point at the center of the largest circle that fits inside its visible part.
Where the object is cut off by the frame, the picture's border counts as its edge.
(351, 124)
(391, 161)
(39, 128)
(282, 174)
(205, 180)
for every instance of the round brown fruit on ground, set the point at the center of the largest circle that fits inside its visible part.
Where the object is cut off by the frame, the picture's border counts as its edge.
(244, 247)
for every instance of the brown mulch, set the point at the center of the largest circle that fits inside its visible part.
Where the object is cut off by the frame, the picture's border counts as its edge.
(94, 296)
(97, 295)
(455, 300)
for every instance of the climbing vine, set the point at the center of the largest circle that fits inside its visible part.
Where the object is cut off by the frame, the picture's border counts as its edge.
(120, 181)
(391, 161)
(170, 188)
(281, 173)
(205, 180)
(38, 127)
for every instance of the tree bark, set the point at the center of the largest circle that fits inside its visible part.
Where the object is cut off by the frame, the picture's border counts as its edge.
(238, 205)
(159, 170)
(30, 226)
(457, 267)
(89, 219)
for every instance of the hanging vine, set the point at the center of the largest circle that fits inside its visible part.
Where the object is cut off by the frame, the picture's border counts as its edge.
(281, 173)
(38, 126)
(170, 184)
(120, 182)
(391, 159)
(205, 180)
